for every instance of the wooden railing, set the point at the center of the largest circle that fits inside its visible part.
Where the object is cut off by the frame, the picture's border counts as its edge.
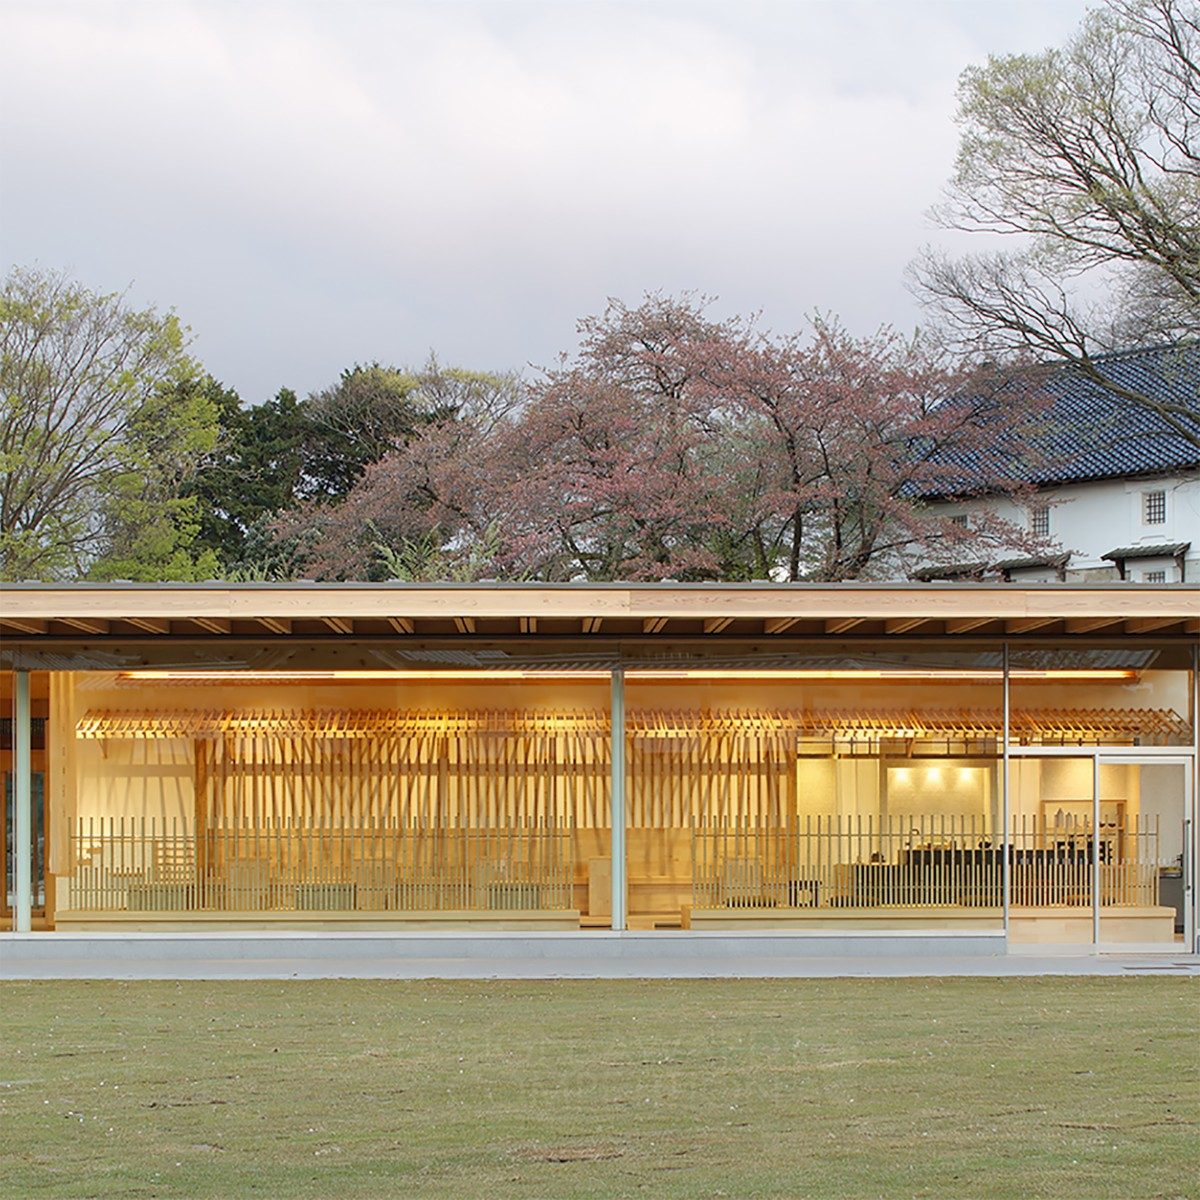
(147, 866)
(917, 862)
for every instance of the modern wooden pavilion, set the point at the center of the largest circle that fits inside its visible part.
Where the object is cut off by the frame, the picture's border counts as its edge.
(849, 758)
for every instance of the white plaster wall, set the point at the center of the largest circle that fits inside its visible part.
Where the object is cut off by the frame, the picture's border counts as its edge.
(136, 779)
(1162, 797)
(1090, 519)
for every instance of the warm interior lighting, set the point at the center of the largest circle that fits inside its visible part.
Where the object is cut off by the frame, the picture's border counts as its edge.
(633, 674)
(234, 676)
(885, 676)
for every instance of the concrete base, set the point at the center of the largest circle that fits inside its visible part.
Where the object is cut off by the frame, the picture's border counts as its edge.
(593, 946)
(579, 955)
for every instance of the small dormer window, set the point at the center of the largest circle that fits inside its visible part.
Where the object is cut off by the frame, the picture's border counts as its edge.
(1154, 508)
(1039, 522)
(959, 519)
(1154, 577)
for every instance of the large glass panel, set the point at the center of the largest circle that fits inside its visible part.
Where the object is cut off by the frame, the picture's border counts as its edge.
(826, 795)
(1122, 696)
(39, 843)
(1104, 700)
(453, 798)
(1143, 814)
(1051, 805)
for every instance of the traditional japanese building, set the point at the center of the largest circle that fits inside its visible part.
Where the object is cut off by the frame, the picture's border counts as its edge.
(1008, 761)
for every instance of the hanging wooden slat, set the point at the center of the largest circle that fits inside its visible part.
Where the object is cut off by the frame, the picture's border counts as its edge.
(1071, 726)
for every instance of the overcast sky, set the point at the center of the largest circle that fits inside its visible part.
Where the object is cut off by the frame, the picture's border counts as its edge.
(309, 185)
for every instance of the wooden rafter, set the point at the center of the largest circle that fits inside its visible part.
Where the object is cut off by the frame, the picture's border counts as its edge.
(717, 624)
(213, 624)
(339, 624)
(842, 624)
(592, 624)
(1028, 624)
(779, 624)
(965, 624)
(1053, 726)
(903, 624)
(464, 624)
(1149, 624)
(401, 624)
(1090, 624)
(654, 624)
(275, 624)
(528, 624)
(149, 624)
(86, 624)
(24, 624)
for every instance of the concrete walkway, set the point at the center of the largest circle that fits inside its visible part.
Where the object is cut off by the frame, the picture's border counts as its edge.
(661, 955)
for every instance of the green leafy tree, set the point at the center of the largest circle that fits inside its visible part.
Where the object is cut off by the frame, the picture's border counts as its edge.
(94, 441)
(1088, 156)
(253, 472)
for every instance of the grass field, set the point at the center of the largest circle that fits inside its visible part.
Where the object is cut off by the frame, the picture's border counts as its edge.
(1051, 1087)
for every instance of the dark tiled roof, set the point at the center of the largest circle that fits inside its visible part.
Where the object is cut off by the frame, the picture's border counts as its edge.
(1087, 432)
(1164, 550)
(1045, 560)
(950, 571)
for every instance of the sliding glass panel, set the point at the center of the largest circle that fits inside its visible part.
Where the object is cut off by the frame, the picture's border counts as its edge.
(39, 840)
(823, 796)
(467, 796)
(1142, 828)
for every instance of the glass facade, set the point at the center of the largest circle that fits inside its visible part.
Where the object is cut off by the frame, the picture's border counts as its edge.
(843, 788)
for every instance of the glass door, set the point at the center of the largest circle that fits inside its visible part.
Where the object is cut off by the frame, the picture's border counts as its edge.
(1101, 848)
(1146, 878)
(1052, 848)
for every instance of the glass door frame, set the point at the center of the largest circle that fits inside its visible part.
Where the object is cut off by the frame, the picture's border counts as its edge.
(1123, 756)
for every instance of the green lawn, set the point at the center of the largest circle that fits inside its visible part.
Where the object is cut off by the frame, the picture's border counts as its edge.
(1056, 1087)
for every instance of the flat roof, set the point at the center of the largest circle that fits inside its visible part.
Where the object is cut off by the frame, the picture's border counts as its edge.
(50, 613)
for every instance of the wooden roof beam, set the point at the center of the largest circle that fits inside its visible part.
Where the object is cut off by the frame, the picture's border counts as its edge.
(592, 624)
(902, 624)
(25, 624)
(654, 624)
(401, 624)
(965, 624)
(1090, 624)
(339, 624)
(85, 624)
(212, 624)
(717, 624)
(528, 624)
(464, 624)
(149, 624)
(843, 624)
(779, 624)
(1027, 624)
(275, 624)
(1149, 624)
